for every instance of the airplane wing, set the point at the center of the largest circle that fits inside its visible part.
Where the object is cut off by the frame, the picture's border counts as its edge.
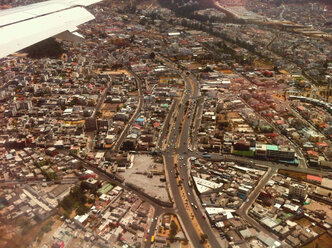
(24, 26)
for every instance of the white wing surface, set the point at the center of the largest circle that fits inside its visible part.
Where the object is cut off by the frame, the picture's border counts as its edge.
(24, 26)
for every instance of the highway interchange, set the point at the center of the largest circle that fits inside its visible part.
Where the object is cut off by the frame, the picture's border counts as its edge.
(177, 149)
(173, 144)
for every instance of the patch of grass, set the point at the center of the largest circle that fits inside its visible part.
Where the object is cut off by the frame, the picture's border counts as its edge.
(244, 153)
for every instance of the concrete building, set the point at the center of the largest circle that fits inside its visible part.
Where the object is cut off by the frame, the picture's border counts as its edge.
(298, 191)
(275, 152)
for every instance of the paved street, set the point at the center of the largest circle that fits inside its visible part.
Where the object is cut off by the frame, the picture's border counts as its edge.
(243, 210)
(173, 142)
(178, 143)
(166, 125)
(207, 120)
(298, 151)
(124, 133)
(101, 100)
(153, 227)
(264, 163)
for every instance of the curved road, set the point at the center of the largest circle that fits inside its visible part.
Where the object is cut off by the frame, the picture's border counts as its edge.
(178, 146)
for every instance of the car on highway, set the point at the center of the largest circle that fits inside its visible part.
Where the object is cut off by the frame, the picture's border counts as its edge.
(206, 156)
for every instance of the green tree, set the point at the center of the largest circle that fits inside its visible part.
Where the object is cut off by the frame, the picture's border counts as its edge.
(82, 210)
(204, 237)
(66, 214)
(174, 230)
(67, 203)
(152, 55)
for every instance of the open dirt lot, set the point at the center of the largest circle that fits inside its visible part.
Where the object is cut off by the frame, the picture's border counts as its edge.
(138, 174)
(314, 205)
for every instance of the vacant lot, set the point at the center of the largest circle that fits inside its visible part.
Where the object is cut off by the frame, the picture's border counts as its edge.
(315, 205)
(323, 241)
(143, 172)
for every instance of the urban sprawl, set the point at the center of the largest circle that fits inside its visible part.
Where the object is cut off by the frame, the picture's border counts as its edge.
(173, 124)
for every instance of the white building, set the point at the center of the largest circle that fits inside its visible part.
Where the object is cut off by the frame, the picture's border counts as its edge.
(298, 191)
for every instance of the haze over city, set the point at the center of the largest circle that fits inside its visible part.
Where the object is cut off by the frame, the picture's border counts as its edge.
(166, 123)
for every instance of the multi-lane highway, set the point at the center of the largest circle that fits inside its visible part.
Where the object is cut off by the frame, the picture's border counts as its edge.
(173, 143)
(169, 157)
(176, 156)
(177, 151)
